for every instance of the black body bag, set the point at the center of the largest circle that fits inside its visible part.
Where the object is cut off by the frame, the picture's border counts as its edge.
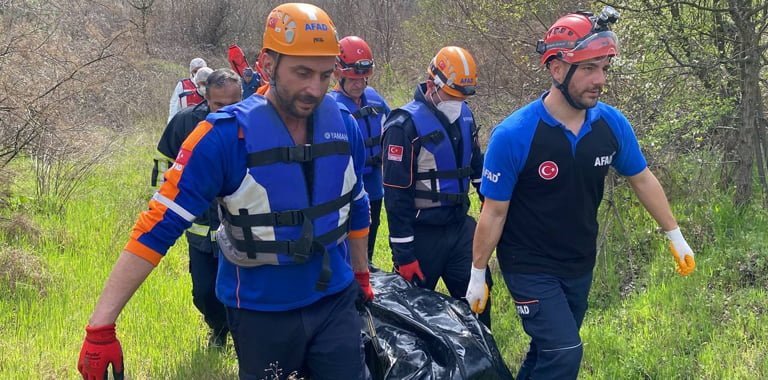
(415, 333)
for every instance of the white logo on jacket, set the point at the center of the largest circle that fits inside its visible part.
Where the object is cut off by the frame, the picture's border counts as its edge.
(493, 177)
(604, 160)
(336, 136)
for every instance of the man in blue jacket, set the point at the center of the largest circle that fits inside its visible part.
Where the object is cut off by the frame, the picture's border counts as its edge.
(354, 66)
(431, 155)
(543, 181)
(286, 171)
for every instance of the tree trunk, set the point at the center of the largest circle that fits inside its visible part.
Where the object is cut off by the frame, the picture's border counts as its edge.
(749, 107)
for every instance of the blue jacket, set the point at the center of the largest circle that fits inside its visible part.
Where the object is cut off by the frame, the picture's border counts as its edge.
(370, 116)
(553, 180)
(213, 163)
(410, 153)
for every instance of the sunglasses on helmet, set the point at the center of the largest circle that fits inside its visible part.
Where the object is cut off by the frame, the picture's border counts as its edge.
(361, 67)
(464, 90)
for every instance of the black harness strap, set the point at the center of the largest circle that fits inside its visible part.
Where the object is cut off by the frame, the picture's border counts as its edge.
(298, 153)
(434, 137)
(373, 160)
(373, 141)
(300, 250)
(286, 218)
(442, 197)
(368, 110)
(450, 174)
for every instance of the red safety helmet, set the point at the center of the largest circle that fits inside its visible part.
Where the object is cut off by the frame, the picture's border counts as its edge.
(356, 58)
(579, 37)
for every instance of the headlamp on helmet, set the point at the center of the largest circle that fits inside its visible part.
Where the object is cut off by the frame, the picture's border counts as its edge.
(362, 67)
(355, 58)
(580, 36)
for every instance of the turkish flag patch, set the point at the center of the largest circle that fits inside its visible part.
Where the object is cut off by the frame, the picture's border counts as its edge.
(548, 170)
(183, 157)
(395, 153)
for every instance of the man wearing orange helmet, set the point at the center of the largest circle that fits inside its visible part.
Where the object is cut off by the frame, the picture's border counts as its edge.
(543, 180)
(431, 155)
(286, 170)
(353, 68)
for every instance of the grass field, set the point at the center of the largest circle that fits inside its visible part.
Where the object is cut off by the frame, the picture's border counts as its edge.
(645, 321)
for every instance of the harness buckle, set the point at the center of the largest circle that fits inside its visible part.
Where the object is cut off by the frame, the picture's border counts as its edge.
(287, 218)
(300, 250)
(300, 153)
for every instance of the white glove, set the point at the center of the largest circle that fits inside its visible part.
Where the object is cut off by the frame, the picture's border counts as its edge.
(477, 291)
(681, 251)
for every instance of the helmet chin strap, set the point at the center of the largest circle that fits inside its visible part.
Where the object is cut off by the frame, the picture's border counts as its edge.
(272, 81)
(563, 87)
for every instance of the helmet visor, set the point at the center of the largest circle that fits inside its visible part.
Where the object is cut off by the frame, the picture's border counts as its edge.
(464, 90)
(441, 80)
(602, 44)
(362, 67)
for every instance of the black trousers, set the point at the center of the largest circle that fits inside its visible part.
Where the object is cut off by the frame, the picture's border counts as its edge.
(321, 341)
(445, 251)
(203, 266)
(375, 221)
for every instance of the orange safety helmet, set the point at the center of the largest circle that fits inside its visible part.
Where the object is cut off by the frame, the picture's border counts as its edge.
(579, 37)
(454, 70)
(300, 29)
(356, 58)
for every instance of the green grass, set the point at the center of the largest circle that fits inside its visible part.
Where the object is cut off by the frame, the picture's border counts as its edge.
(645, 322)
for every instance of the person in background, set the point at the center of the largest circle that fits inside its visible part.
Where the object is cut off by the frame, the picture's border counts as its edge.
(543, 182)
(185, 93)
(162, 160)
(201, 78)
(431, 155)
(354, 67)
(221, 88)
(252, 77)
(286, 169)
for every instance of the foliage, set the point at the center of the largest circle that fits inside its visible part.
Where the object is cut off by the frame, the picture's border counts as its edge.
(78, 74)
(66, 70)
(718, 49)
(645, 320)
(21, 272)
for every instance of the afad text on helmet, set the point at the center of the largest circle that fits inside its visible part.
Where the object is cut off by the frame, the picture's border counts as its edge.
(316, 26)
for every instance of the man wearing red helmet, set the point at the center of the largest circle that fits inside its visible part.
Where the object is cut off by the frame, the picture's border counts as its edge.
(543, 180)
(431, 155)
(354, 66)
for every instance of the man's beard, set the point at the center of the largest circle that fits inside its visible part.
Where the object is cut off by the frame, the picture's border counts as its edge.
(289, 103)
(584, 101)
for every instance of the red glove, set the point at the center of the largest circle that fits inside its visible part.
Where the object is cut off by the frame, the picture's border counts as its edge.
(409, 270)
(364, 279)
(100, 348)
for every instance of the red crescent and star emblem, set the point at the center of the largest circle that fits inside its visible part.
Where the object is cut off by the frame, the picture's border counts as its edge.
(395, 153)
(548, 170)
